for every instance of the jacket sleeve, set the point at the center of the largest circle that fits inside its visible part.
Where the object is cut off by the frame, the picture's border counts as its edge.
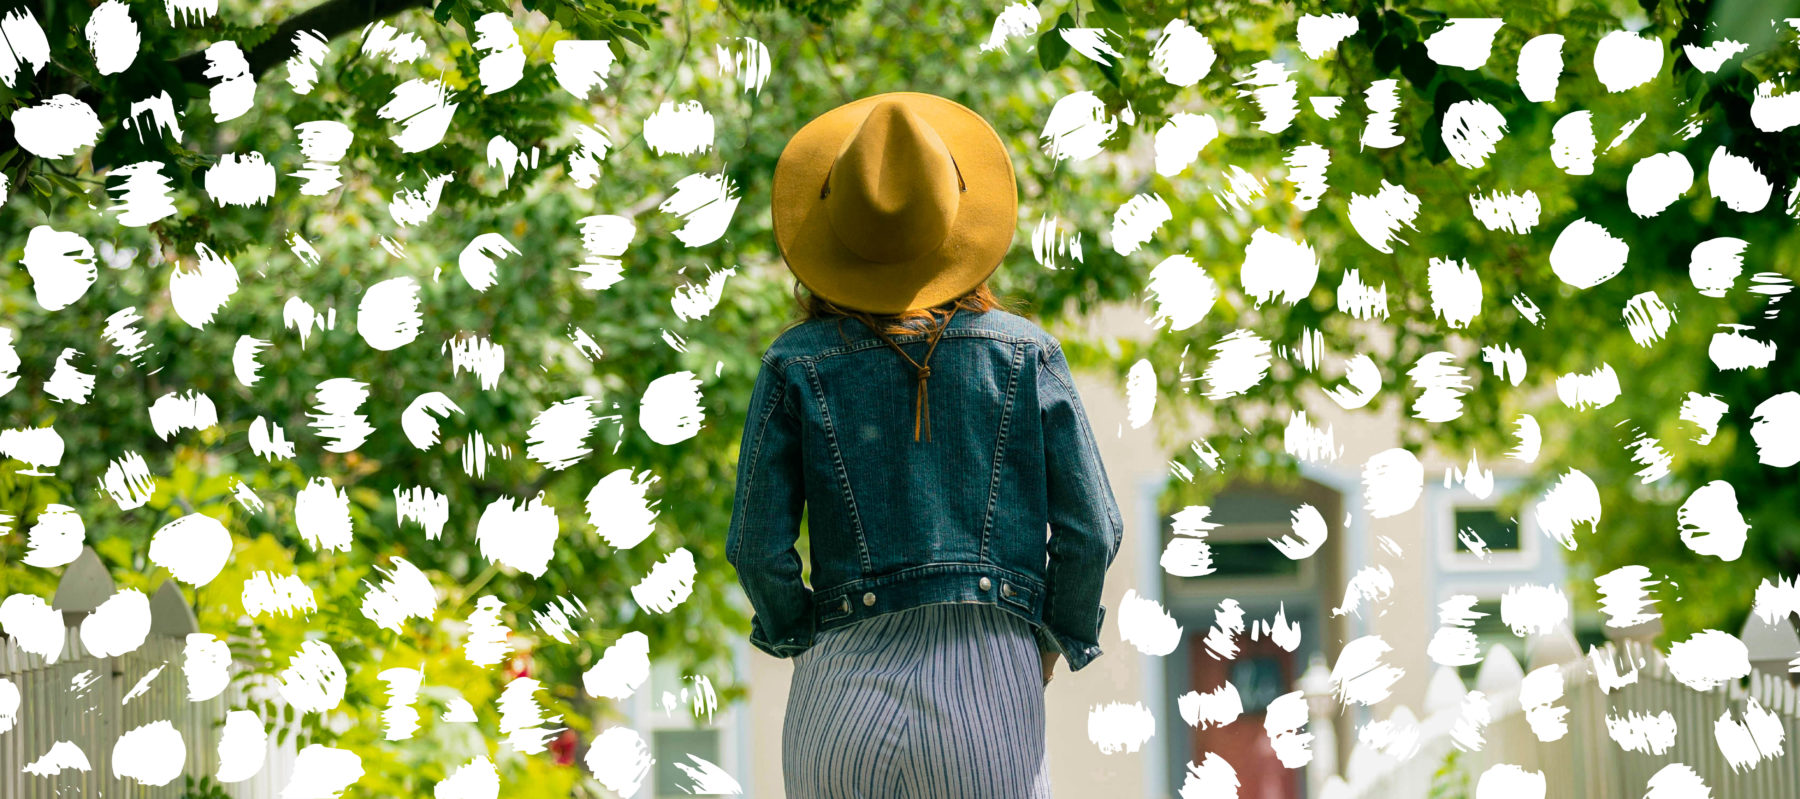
(765, 521)
(1085, 526)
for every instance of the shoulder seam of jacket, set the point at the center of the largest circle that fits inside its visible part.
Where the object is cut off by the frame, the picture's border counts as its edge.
(1045, 350)
(780, 369)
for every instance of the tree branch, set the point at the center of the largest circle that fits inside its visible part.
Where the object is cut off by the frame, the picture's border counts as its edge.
(331, 19)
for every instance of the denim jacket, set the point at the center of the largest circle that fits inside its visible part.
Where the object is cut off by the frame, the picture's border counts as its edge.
(1007, 503)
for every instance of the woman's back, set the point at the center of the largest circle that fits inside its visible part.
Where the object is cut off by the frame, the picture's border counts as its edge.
(1006, 503)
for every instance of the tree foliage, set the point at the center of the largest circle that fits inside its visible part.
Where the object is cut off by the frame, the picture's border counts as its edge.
(823, 54)
(536, 311)
(1684, 110)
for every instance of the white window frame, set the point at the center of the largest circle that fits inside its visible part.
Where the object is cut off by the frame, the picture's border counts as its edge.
(1219, 583)
(1529, 555)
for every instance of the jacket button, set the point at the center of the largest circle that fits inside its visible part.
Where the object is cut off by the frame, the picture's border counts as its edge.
(1006, 589)
(868, 599)
(986, 583)
(846, 605)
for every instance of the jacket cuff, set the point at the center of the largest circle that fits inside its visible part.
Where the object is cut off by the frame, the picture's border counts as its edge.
(1078, 653)
(784, 648)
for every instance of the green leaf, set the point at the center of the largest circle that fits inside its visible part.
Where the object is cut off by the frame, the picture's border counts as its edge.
(1401, 24)
(633, 36)
(66, 184)
(1387, 53)
(1368, 28)
(634, 17)
(1449, 93)
(1418, 68)
(1110, 72)
(1051, 46)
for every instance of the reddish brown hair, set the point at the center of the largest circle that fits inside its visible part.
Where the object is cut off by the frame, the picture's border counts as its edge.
(979, 299)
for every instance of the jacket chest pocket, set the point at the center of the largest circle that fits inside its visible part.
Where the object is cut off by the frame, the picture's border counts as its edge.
(1017, 595)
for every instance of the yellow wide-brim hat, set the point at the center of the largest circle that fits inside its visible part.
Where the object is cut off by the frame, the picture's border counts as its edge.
(895, 201)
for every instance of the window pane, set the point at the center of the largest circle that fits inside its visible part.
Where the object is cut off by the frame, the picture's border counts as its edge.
(1251, 559)
(1501, 534)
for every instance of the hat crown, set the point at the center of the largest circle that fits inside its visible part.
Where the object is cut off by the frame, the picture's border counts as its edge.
(892, 191)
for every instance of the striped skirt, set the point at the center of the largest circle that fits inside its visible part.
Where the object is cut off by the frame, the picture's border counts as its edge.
(942, 701)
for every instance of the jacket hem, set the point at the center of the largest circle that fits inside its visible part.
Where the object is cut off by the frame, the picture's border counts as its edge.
(931, 584)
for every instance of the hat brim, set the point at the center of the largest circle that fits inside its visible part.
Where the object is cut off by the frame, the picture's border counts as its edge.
(981, 233)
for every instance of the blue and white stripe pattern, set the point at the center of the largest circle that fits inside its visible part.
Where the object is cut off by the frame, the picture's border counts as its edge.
(941, 701)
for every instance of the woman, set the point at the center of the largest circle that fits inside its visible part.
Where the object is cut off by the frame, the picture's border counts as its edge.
(959, 520)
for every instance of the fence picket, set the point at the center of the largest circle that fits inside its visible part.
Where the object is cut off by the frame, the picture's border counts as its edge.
(1587, 762)
(51, 710)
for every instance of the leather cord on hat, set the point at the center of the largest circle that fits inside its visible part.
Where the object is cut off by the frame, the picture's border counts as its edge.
(922, 402)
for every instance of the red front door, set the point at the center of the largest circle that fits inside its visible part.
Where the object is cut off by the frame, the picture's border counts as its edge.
(1261, 672)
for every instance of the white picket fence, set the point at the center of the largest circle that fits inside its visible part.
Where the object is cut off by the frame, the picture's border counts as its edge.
(1586, 762)
(82, 699)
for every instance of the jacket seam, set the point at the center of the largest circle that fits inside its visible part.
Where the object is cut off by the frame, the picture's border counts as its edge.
(1044, 354)
(786, 403)
(837, 466)
(905, 338)
(762, 434)
(1012, 388)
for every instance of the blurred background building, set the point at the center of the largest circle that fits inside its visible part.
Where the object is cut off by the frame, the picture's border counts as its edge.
(1420, 550)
